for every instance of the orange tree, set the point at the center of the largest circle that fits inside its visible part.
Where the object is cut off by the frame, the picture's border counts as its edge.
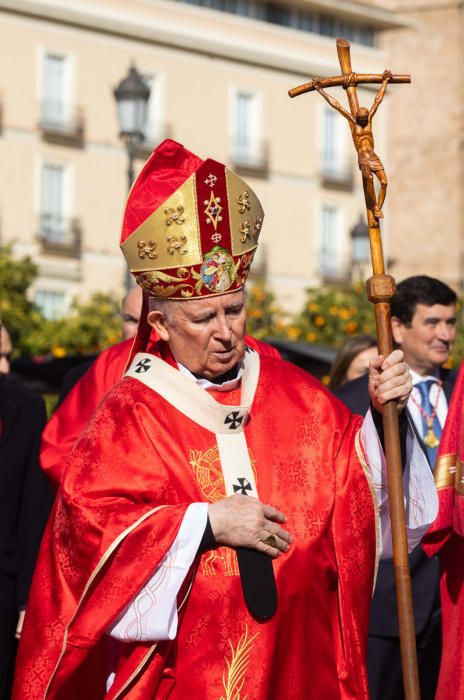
(264, 317)
(331, 315)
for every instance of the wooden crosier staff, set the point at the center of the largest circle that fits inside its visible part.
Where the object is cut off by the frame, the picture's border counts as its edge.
(380, 290)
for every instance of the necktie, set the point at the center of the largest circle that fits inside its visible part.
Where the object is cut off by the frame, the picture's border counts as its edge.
(430, 428)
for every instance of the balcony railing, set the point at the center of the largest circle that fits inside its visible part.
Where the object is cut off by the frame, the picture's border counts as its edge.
(250, 157)
(60, 236)
(333, 270)
(337, 172)
(60, 122)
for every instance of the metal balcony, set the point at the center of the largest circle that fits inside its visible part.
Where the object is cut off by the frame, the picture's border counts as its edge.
(60, 236)
(250, 157)
(61, 123)
(337, 173)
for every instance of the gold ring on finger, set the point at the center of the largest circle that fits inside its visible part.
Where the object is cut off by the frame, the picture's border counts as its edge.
(270, 540)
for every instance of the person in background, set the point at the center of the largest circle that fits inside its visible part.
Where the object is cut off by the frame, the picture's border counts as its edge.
(130, 312)
(352, 360)
(25, 502)
(424, 327)
(5, 350)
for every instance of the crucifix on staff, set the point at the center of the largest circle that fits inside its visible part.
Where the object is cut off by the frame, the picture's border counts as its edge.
(380, 291)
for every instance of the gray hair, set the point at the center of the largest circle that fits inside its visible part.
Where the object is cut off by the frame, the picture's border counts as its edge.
(164, 306)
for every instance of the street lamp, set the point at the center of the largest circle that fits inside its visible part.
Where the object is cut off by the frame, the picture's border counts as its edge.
(132, 95)
(360, 248)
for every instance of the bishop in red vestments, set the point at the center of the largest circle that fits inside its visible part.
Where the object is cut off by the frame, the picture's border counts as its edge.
(215, 531)
(71, 417)
(446, 537)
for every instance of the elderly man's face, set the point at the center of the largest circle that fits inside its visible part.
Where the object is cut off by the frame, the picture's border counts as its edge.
(205, 335)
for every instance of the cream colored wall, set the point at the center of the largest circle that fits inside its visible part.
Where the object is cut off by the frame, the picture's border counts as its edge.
(197, 106)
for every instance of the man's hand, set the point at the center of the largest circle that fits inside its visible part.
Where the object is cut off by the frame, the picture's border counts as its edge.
(387, 75)
(242, 521)
(389, 378)
(317, 83)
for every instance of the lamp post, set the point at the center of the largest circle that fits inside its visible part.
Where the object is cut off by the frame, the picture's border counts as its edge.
(360, 246)
(131, 97)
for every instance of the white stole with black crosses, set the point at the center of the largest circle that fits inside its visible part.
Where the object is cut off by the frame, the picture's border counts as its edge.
(226, 422)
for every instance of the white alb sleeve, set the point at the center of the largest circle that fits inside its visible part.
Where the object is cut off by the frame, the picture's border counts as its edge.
(420, 494)
(152, 614)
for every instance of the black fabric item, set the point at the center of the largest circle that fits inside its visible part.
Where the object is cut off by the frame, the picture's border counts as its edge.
(25, 502)
(384, 662)
(208, 541)
(258, 582)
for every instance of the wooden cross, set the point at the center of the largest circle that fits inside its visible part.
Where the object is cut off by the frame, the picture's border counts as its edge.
(380, 291)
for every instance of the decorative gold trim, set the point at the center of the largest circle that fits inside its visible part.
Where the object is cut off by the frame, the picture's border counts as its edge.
(459, 483)
(445, 471)
(368, 475)
(91, 579)
(237, 667)
(137, 671)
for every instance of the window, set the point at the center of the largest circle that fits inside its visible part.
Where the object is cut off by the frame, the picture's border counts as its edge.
(56, 104)
(51, 303)
(331, 243)
(155, 129)
(247, 143)
(299, 18)
(334, 162)
(52, 223)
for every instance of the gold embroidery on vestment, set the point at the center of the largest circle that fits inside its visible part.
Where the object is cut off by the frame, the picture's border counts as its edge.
(174, 216)
(207, 469)
(234, 679)
(445, 471)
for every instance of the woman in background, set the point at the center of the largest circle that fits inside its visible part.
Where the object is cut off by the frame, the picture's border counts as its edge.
(352, 360)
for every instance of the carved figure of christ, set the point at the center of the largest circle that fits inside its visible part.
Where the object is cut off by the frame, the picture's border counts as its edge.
(363, 138)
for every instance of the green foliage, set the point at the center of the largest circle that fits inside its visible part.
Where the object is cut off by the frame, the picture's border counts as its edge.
(18, 314)
(264, 318)
(89, 327)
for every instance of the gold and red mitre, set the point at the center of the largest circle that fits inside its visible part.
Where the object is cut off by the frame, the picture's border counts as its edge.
(190, 227)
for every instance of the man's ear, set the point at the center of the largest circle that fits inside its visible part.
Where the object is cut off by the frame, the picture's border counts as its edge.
(397, 330)
(157, 320)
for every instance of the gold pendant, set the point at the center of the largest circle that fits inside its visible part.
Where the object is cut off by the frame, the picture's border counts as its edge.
(431, 439)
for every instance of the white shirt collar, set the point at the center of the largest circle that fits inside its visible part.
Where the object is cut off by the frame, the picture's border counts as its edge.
(416, 378)
(206, 384)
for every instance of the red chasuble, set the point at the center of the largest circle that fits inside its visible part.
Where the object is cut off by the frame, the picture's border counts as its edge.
(70, 419)
(446, 537)
(134, 471)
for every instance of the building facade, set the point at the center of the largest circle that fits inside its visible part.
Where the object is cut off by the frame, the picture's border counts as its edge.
(426, 139)
(218, 72)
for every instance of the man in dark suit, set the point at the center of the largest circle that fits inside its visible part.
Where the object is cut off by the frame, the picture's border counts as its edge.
(25, 501)
(423, 325)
